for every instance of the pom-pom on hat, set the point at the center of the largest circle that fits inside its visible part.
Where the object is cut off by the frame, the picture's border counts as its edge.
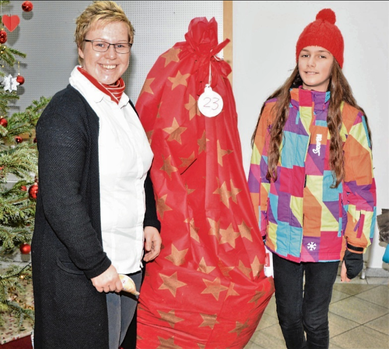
(323, 32)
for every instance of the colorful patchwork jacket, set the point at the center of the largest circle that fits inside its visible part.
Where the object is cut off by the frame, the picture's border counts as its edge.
(303, 218)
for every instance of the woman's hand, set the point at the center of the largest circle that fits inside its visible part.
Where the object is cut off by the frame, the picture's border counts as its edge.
(108, 281)
(153, 243)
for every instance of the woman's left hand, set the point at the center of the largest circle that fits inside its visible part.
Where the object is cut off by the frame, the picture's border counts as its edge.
(153, 243)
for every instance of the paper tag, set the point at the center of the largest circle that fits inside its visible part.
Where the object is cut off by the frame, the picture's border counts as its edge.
(128, 284)
(210, 103)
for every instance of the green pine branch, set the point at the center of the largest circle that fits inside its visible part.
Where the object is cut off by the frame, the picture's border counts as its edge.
(11, 291)
(23, 122)
(17, 212)
(7, 55)
(19, 159)
(5, 99)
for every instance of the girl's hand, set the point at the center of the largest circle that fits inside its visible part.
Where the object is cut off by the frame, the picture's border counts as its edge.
(343, 273)
(153, 243)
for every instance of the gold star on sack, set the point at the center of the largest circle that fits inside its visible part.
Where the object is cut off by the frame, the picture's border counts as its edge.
(256, 298)
(208, 320)
(188, 190)
(185, 162)
(245, 231)
(246, 271)
(174, 131)
(146, 86)
(256, 266)
(240, 327)
(167, 343)
(171, 283)
(204, 268)
(231, 291)
(149, 135)
(234, 192)
(168, 167)
(214, 288)
(170, 317)
(220, 153)
(224, 194)
(171, 56)
(179, 79)
(228, 236)
(177, 257)
(161, 206)
(224, 268)
(202, 143)
(194, 230)
(215, 228)
(158, 110)
(192, 107)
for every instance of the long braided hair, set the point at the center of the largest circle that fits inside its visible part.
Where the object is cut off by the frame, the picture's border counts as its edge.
(340, 91)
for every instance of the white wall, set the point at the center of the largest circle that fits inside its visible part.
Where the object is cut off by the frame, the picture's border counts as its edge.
(46, 36)
(264, 38)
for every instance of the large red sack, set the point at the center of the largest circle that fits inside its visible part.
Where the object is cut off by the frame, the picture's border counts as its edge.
(207, 288)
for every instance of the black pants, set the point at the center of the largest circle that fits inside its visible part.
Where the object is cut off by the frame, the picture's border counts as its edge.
(303, 307)
(129, 341)
(130, 338)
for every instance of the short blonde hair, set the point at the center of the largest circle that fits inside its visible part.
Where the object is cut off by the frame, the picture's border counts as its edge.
(105, 12)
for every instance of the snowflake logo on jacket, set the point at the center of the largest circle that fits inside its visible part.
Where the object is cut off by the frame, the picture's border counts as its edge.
(311, 246)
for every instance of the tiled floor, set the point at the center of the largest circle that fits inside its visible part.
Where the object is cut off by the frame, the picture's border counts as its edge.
(358, 317)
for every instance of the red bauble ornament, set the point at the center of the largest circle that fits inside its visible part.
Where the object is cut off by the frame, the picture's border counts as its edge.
(18, 139)
(27, 6)
(3, 122)
(23, 188)
(3, 36)
(20, 79)
(33, 191)
(25, 248)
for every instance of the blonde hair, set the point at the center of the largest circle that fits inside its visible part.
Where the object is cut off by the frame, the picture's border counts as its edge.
(103, 12)
(340, 91)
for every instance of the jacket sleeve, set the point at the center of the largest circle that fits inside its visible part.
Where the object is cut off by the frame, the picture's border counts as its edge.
(151, 218)
(63, 155)
(258, 184)
(359, 188)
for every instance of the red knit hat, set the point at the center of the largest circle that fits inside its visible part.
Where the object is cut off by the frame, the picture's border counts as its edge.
(323, 32)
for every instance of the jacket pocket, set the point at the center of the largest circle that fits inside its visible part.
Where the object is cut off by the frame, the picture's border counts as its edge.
(69, 267)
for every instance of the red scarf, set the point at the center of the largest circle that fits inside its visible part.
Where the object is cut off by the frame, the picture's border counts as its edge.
(114, 91)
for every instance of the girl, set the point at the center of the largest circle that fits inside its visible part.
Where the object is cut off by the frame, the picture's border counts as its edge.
(312, 185)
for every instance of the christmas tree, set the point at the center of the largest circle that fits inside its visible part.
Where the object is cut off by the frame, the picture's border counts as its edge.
(18, 176)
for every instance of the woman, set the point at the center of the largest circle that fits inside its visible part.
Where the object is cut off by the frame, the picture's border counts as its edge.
(95, 209)
(311, 181)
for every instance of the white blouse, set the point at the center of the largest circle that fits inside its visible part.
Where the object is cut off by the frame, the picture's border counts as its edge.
(125, 157)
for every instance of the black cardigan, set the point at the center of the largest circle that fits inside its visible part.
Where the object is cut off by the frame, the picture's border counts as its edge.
(67, 244)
